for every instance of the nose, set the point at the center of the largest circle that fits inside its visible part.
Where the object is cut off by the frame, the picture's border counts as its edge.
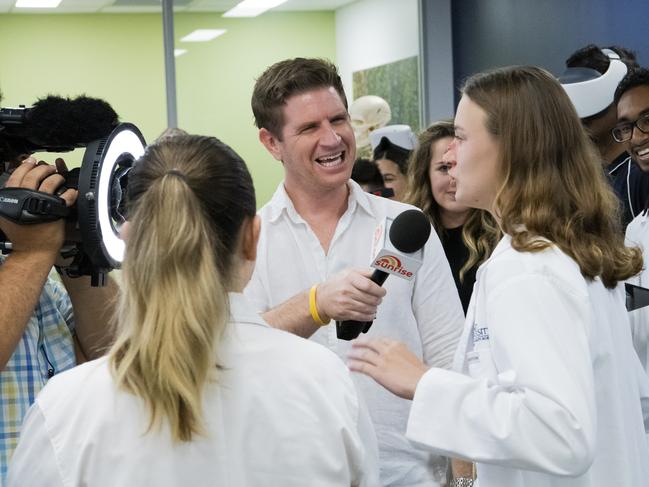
(449, 155)
(329, 136)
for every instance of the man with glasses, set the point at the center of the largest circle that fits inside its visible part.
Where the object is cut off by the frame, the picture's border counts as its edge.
(591, 77)
(632, 127)
(632, 130)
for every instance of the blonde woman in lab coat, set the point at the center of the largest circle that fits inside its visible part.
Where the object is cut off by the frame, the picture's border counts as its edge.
(198, 390)
(547, 391)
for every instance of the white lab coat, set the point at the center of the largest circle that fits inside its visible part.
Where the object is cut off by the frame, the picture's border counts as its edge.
(285, 412)
(637, 235)
(553, 395)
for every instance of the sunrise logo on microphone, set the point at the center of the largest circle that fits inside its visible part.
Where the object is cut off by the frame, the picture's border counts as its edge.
(388, 262)
(391, 263)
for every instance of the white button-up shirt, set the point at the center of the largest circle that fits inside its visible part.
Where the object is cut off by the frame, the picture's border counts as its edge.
(425, 313)
(284, 412)
(554, 391)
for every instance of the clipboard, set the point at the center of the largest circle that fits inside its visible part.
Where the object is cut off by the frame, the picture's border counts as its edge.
(636, 296)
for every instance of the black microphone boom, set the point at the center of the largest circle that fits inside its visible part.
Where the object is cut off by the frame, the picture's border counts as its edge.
(54, 124)
(409, 232)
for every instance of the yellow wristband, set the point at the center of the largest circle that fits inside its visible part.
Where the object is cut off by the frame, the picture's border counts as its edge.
(313, 309)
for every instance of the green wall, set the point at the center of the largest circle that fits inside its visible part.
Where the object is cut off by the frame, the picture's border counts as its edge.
(119, 57)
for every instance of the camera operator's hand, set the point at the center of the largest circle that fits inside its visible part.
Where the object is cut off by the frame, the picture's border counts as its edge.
(46, 238)
(35, 248)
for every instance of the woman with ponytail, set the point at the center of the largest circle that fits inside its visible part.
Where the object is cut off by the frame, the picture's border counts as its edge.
(197, 389)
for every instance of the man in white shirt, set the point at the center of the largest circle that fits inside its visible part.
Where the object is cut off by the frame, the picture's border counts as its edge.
(315, 249)
(632, 130)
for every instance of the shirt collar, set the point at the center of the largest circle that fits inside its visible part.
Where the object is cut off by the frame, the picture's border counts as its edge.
(360, 197)
(241, 310)
(281, 202)
(621, 160)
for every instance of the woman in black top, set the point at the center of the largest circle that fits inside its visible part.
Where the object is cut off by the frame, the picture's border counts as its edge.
(468, 235)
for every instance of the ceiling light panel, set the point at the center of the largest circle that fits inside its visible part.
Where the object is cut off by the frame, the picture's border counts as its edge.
(252, 8)
(37, 3)
(203, 35)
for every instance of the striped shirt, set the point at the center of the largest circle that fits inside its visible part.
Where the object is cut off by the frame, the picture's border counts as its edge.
(46, 348)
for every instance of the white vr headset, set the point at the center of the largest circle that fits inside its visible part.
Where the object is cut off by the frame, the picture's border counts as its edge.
(590, 91)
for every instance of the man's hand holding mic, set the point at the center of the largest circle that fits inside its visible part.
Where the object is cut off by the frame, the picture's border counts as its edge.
(352, 296)
(349, 295)
(398, 251)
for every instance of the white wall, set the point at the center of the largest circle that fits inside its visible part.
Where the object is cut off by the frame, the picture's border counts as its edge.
(370, 33)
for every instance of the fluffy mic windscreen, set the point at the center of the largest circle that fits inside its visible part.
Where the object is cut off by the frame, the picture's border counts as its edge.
(59, 122)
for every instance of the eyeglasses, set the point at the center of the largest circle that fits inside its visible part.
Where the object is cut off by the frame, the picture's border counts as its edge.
(624, 131)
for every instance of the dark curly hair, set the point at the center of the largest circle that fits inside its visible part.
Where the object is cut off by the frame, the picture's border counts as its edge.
(635, 77)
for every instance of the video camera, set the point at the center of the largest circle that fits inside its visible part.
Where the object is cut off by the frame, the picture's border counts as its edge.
(56, 124)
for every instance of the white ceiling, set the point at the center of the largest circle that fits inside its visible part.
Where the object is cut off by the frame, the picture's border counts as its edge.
(136, 6)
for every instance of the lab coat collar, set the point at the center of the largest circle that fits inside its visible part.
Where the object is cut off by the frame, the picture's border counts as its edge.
(241, 311)
(503, 245)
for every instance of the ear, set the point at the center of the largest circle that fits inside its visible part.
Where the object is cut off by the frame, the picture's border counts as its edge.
(124, 230)
(271, 143)
(251, 238)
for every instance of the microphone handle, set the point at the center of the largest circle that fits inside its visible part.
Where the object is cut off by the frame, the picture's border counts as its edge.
(350, 329)
(379, 277)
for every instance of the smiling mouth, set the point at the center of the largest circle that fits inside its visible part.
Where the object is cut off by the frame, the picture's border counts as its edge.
(643, 154)
(331, 160)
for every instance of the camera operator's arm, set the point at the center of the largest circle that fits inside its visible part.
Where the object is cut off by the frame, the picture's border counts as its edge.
(35, 247)
(93, 310)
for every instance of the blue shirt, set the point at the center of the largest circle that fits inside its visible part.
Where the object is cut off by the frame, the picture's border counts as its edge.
(46, 348)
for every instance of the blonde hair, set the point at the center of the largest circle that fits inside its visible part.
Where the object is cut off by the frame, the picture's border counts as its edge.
(552, 184)
(188, 198)
(480, 233)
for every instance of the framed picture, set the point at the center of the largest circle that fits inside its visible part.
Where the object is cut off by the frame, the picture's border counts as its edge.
(398, 84)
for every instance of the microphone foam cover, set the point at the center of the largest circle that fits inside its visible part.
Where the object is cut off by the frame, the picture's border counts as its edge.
(410, 231)
(63, 121)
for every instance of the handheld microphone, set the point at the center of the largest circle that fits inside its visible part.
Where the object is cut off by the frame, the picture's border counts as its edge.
(398, 250)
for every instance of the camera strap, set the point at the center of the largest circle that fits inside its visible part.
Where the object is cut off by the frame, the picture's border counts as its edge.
(28, 207)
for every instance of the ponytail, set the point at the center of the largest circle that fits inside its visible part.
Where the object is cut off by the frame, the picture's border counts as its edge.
(174, 305)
